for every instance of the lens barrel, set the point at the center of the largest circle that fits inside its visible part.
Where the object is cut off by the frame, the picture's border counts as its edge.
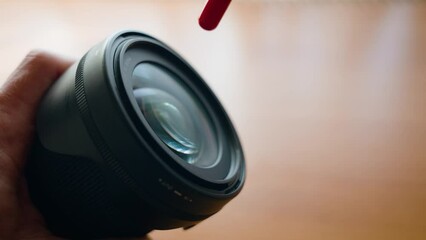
(131, 139)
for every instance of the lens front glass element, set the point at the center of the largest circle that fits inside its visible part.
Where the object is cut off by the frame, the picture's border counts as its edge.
(175, 114)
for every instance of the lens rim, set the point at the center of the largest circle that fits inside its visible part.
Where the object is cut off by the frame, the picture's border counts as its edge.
(131, 53)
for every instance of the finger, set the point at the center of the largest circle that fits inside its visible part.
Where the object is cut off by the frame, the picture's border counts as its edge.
(27, 84)
(30, 220)
(30, 216)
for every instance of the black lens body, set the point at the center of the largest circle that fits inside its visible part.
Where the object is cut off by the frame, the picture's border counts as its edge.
(111, 160)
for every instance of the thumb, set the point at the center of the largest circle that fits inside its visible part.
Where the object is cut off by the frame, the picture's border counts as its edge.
(27, 84)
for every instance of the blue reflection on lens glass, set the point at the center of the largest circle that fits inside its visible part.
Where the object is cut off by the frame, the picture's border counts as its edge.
(175, 114)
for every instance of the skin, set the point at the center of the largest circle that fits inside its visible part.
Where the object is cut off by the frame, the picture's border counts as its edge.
(19, 100)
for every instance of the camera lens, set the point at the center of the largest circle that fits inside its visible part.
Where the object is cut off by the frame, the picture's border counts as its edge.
(131, 139)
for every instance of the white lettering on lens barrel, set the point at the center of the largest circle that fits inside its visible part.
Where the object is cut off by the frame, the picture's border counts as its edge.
(171, 188)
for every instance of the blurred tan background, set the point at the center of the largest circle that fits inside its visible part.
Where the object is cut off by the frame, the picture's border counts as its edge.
(329, 99)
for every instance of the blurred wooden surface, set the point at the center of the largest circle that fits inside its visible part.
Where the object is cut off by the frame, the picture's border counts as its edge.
(329, 99)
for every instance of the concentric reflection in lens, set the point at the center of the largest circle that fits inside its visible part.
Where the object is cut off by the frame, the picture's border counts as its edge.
(174, 114)
(170, 121)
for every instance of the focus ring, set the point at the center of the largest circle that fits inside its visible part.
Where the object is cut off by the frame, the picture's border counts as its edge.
(92, 129)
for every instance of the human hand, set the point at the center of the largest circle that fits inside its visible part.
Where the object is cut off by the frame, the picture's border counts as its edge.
(19, 100)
